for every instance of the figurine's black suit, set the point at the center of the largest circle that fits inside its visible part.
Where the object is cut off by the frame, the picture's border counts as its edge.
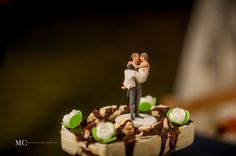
(134, 94)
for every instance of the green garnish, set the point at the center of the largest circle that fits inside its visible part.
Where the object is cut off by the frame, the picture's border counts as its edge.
(146, 103)
(178, 116)
(73, 119)
(104, 132)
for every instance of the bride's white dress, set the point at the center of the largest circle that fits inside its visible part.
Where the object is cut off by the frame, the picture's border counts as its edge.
(131, 75)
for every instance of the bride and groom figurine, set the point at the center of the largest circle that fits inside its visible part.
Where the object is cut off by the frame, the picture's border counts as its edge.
(134, 76)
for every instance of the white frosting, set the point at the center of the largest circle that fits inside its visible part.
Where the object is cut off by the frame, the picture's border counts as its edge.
(148, 99)
(177, 115)
(105, 130)
(143, 99)
(66, 119)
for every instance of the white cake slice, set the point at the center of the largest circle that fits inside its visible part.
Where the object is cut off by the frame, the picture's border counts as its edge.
(141, 137)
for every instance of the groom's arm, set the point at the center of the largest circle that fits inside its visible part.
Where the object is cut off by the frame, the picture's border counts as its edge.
(130, 66)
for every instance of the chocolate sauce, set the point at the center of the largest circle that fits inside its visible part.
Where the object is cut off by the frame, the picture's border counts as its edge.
(90, 126)
(119, 129)
(174, 132)
(96, 113)
(129, 147)
(163, 143)
(129, 141)
(83, 124)
(173, 139)
(90, 139)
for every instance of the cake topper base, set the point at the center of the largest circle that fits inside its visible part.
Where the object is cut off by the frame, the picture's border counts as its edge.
(147, 120)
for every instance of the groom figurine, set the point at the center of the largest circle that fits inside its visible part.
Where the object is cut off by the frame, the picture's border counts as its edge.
(134, 94)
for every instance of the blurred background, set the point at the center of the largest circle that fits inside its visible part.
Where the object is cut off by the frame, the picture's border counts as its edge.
(67, 55)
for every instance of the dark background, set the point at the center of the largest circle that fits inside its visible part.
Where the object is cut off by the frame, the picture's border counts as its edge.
(59, 56)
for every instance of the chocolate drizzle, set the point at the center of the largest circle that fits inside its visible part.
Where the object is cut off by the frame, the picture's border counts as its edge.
(109, 112)
(173, 139)
(129, 142)
(163, 143)
(173, 132)
(126, 109)
(119, 129)
(162, 111)
(129, 147)
(96, 114)
(84, 126)
(90, 126)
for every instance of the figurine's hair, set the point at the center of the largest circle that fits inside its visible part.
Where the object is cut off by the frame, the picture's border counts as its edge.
(134, 55)
(145, 55)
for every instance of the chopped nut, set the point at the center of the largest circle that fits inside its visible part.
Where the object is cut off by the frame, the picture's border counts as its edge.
(107, 111)
(93, 116)
(125, 126)
(86, 134)
(124, 109)
(115, 114)
(155, 113)
(165, 124)
(144, 128)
